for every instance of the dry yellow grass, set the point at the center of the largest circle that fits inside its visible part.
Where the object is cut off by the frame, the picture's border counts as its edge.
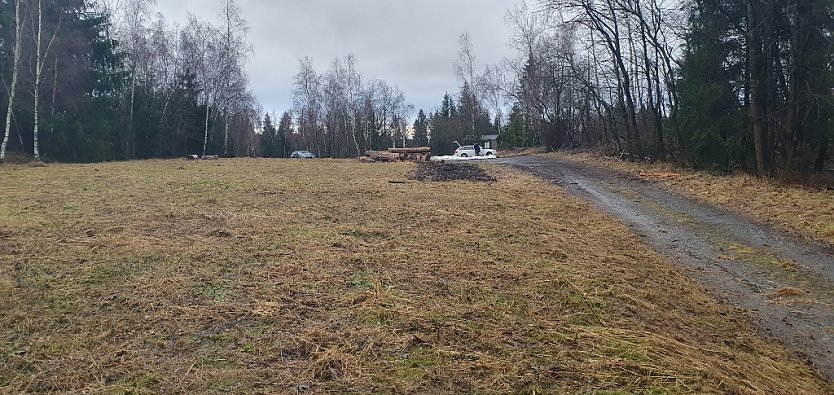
(806, 211)
(258, 276)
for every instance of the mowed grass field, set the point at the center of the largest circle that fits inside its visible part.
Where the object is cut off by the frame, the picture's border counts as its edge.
(268, 276)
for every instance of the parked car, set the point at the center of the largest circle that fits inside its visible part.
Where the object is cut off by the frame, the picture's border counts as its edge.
(467, 151)
(302, 155)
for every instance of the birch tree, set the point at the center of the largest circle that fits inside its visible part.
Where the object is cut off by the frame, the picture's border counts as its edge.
(133, 32)
(198, 44)
(233, 54)
(404, 114)
(40, 56)
(354, 86)
(338, 114)
(13, 86)
(308, 104)
(493, 86)
(465, 70)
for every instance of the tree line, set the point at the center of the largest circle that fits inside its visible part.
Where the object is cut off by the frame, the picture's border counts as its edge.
(713, 83)
(339, 113)
(113, 80)
(342, 114)
(464, 118)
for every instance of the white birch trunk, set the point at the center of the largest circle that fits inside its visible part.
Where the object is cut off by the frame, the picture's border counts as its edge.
(38, 72)
(165, 108)
(226, 137)
(130, 142)
(205, 138)
(353, 130)
(37, 88)
(13, 87)
(227, 71)
(37, 123)
(54, 90)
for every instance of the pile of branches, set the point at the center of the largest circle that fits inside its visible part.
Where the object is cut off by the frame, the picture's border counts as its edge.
(419, 154)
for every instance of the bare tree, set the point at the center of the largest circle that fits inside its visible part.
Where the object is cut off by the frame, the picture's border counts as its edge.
(198, 43)
(597, 62)
(40, 56)
(354, 87)
(133, 33)
(465, 70)
(233, 53)
(338, 114)
(308, 104)
(406, 112)
(13, 86)
(493, 85)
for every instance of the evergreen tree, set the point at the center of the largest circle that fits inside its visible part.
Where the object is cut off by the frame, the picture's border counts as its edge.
(269, 141)
(85, 124)
(712, 130)
(448, 109)
(453, 122)
(516, 134)
(421, 129)
(185, 122)
(471, 116)
(444, 132)
(284, 135)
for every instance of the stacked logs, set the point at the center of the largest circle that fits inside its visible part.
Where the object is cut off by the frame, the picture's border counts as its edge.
(419, 154)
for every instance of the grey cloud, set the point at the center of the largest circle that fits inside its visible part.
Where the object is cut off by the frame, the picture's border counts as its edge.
(409, 44)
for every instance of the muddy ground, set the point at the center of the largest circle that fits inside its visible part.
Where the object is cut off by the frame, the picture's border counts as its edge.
(786, 285)
(444, 171)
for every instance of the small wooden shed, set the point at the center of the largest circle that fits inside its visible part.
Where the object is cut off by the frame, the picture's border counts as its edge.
(490, 141)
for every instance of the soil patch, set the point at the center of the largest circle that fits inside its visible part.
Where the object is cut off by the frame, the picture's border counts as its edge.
(441, 172)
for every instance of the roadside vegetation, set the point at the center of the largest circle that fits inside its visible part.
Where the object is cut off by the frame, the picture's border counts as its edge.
(804, 209)
(269, 276)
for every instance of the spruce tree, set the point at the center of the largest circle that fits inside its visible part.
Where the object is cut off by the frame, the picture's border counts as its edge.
(421, 129)
(711, 116)
(268, 138)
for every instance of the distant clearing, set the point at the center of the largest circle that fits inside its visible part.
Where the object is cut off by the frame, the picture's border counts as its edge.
(269, 276)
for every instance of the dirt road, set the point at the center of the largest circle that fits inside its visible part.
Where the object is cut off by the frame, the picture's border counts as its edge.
(785, 285)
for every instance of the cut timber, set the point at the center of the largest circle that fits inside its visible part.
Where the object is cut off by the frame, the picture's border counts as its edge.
(383, 156)
(418, 150)
(365, 159)
(420, 154)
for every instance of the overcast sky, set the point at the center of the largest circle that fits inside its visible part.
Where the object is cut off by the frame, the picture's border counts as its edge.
(410, 44)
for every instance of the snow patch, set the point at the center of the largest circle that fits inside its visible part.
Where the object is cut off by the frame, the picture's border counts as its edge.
(450, 158)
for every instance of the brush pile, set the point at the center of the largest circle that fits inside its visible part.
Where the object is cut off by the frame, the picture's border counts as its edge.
(435, 171)
(419, 154)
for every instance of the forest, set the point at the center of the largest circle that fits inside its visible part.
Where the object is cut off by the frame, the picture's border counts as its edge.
(709, 83)
(714, 84)
(341, 113)
(99, 81)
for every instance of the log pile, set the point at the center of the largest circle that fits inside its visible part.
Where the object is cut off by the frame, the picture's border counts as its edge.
(419, 154)
(204, 157)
